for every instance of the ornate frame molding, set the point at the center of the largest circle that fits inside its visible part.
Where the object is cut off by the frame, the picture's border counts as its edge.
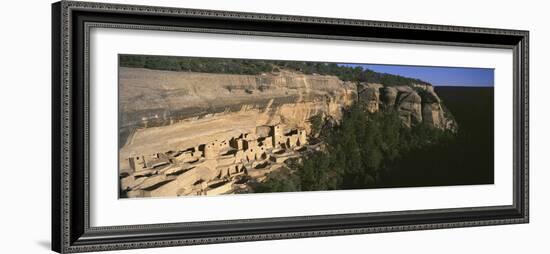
(71, 22)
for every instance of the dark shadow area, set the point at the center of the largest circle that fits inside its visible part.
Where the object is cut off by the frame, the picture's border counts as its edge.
(374, 150)
(468, 158)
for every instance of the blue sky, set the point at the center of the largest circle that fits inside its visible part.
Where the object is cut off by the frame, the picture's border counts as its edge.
(438, 76)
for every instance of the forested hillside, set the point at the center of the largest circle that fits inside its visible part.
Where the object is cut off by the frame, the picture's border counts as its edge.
(252, 67)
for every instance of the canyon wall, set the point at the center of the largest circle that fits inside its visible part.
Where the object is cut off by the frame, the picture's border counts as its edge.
(226, 102)
(149, 98)
(165, 110)
(415, 104)
(185, 133)
(164, 96)
(206, 134)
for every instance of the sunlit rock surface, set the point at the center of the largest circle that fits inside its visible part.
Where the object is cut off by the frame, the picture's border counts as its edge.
(185, 133)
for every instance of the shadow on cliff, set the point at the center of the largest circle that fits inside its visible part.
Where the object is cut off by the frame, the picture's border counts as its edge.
(467, 159)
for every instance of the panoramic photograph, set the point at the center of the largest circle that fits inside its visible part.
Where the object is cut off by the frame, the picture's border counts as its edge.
(197, 126)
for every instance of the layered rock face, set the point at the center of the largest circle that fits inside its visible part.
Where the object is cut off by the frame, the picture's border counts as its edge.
(207, 134)
(184, 133)
(415, 104)
(174, 107)
(150, 98)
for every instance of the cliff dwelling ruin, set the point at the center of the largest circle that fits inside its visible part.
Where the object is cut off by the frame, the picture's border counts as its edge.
(186, 133)
(215, 167)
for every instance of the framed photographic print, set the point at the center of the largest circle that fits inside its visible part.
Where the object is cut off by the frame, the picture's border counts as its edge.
(181, 126)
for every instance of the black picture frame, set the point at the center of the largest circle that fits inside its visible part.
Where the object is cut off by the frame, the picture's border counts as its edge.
(71, 22)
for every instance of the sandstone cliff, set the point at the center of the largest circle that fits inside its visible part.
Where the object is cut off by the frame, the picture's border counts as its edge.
(186, 133)
(151, 98)
(415, 104)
